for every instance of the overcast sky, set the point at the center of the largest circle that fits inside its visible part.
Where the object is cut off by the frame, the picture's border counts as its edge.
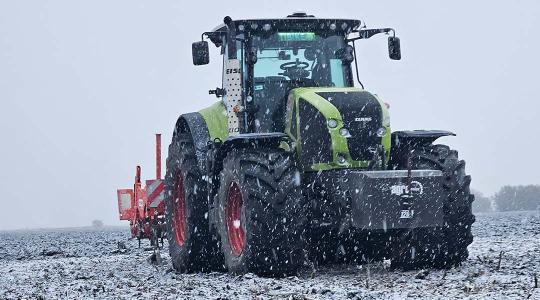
(84, 85)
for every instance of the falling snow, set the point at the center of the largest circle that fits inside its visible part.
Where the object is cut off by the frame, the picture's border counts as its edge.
(82, 264)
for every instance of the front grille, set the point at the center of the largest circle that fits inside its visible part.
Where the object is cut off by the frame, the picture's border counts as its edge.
(362, 115)
(316, 141)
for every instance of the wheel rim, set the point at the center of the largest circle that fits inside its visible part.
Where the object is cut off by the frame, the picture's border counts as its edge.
(235, 228)
(179, 210)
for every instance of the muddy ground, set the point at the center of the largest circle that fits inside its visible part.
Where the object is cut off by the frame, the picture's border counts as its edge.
(85, 263)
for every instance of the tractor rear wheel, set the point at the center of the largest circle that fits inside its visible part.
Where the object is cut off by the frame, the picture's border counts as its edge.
(261, 212)
(446, 246)
(192, 247)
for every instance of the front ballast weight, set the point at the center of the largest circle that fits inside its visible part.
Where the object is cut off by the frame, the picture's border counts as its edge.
(386, 200)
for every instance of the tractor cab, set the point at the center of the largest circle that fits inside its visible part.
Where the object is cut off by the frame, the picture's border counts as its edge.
(264, 59)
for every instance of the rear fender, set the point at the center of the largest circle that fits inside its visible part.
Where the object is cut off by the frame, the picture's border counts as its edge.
(204, 126)
(194, 124)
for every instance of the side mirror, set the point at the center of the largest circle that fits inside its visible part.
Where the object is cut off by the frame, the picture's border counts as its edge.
(200, 53)
(394, 48)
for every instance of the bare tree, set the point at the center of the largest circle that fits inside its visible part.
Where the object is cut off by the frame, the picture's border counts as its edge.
(521, 197)
(481, 203)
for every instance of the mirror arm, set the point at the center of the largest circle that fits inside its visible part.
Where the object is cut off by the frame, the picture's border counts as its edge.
(367, 33)
(356, 65)
(214, 36)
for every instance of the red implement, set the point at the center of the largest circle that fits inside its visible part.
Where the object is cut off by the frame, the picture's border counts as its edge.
(144, 206)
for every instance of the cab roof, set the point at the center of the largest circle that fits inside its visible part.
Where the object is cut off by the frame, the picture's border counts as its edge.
(297, 22)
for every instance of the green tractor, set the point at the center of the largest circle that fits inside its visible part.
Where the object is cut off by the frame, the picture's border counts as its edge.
(294, 165)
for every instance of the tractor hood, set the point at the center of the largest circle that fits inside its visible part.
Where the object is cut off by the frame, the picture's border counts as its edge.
(338, 127)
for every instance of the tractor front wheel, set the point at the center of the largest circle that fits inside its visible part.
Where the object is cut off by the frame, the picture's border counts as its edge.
(445, 246)
(261, 212)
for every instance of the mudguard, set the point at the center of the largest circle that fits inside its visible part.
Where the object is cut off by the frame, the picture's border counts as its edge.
(247, 140)
(415, 137)
(255, 139)
(405, 141)
(194, 124)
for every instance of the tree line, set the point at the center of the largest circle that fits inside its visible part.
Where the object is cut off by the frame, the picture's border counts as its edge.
(509, 198)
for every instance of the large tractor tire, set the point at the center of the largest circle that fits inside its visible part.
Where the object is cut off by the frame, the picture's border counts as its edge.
(446, 246)
(324, 246)
(261, 212)
(191, 245)
(331, 244)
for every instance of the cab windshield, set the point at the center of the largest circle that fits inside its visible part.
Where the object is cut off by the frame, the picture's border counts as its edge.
(287, 60)
(303, 57)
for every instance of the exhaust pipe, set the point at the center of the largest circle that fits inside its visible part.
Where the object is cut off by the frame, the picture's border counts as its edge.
(158, 155)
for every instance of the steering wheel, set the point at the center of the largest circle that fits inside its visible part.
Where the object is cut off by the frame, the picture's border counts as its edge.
(294, 65)
(295, 69)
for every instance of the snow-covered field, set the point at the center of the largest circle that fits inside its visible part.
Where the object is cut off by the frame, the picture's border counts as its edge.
(83, 263)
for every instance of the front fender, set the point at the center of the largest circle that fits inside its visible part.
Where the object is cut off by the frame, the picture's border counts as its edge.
(247, 140)
(413, 138)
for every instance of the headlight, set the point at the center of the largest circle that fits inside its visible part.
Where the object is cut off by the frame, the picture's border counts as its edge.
(332, 123)
(341, 159)
(344, 132)
(381, 131)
